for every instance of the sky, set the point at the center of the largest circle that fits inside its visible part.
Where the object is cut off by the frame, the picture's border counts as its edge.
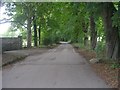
(3, 27)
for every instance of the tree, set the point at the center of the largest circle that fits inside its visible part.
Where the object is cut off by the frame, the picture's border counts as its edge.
(111, 32)
(35, 30)
(93, 32)
(70, 21)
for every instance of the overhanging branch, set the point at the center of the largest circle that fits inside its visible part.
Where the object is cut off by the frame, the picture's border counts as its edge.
(8, 20)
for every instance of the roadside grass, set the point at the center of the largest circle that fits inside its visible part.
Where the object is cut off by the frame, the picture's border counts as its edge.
(11, 58)
(14, 60)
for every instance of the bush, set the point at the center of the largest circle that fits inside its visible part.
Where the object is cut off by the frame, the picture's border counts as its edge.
(100, 50)
(115, 65)
(47, 41)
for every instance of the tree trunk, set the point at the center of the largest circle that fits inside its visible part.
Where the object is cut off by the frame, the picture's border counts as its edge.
(39, 31)
(85, 30)
(76, 36)
(35, 31)
(85, 41)
(93, 32)
(29, 32)
(112, 33)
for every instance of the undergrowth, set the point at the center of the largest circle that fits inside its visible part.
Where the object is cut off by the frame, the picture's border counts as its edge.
(100, 54)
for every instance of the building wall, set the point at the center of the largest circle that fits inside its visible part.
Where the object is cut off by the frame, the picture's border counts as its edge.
(11, 43)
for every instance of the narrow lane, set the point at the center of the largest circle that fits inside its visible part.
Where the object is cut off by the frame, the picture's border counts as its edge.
(61, 67)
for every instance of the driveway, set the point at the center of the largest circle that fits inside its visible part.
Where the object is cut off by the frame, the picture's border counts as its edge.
(60, 67)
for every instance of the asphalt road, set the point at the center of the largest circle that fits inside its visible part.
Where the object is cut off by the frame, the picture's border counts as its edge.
(60, 67)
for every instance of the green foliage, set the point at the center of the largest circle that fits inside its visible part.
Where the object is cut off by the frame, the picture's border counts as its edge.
(47, 41)
(100, 50)
(115, 65)
(68, 21)
(116, 17)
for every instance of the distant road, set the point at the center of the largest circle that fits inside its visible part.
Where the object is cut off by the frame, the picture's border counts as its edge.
(61, 67)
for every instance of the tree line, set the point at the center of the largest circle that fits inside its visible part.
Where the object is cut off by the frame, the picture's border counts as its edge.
(95, 25)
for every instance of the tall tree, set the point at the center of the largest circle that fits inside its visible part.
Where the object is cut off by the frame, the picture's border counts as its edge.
(93, 32)
(35, 30)
(111, 32)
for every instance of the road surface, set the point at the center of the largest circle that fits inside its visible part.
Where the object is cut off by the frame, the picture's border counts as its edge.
(60, 67)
